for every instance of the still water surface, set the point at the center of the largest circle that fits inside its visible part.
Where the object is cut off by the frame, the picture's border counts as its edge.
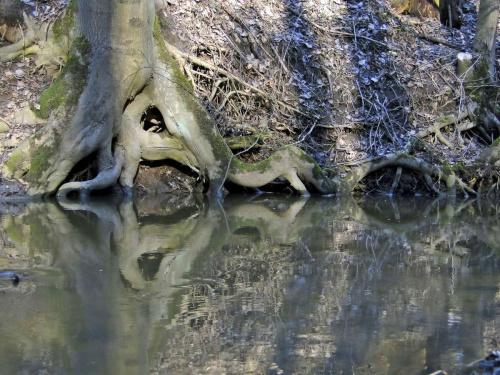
(257, 285)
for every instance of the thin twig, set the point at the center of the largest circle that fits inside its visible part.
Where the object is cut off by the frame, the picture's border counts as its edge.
(336, 32)
(229, 75)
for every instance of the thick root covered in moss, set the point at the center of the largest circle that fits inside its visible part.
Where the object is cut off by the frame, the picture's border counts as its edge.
(290, 163)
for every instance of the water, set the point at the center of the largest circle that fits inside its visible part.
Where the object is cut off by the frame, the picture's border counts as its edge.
(257, 285)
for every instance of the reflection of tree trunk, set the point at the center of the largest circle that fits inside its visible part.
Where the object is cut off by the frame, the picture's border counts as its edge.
(121, 328)
(109, 327)
(113, 326)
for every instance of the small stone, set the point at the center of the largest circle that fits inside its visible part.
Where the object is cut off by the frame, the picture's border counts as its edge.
(19, 73)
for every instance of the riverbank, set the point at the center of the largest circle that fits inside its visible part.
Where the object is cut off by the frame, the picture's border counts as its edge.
(345, 81)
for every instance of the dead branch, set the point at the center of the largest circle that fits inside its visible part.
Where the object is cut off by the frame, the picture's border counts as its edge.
(178, 54)
(241, 22)
(337, 32)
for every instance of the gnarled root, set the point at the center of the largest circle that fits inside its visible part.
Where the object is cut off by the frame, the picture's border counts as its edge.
(291, 163)
(188, 122)
(109, 172)
(132, 144)
(428, 171)
(27, 44)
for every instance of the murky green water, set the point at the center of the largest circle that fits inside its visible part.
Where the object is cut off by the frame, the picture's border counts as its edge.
(262, 285)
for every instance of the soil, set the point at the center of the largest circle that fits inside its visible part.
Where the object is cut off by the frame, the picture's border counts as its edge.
(344, 80)
(161, 178)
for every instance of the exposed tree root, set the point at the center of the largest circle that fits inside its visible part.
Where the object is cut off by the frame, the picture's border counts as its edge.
(291, 163)
(446, 121)
(27, 44)
(107, 177)
(105, 119)
(427, 170)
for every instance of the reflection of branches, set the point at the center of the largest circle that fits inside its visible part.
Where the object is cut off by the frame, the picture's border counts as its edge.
(190, 274)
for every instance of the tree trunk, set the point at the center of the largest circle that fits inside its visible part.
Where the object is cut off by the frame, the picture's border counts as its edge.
(483, 69)
(119, 67)
(485, 38)
(114, 57)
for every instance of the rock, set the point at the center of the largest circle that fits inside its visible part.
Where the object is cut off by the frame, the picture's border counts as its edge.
(4, 128)
(27, 117)
(19, 73)
(11, 189)
(10, 143)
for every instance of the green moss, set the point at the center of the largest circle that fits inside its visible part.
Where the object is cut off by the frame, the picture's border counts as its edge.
(496, 143)
(63, 25)
(244, 142)
(458, 169)
(318, 173)
(70, 83)
(52, 98)
(40, 157)
(15, 232)
(447, 168)
(39, 163)
(165, 56)
(331, 172)
(14, 161)
(445, 119)
(261, 167)
(405, 155)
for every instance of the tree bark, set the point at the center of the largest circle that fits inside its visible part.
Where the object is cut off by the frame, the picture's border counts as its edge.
(125, 68)
(485, 38)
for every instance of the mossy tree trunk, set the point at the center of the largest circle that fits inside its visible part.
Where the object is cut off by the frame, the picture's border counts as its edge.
(479, 71)
(484, 69)
(113, 58)
(485, 38)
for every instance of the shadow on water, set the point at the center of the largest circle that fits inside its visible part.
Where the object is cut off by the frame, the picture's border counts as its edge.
(257, 284)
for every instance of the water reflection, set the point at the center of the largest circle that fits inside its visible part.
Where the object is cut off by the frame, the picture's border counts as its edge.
(254, 285)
